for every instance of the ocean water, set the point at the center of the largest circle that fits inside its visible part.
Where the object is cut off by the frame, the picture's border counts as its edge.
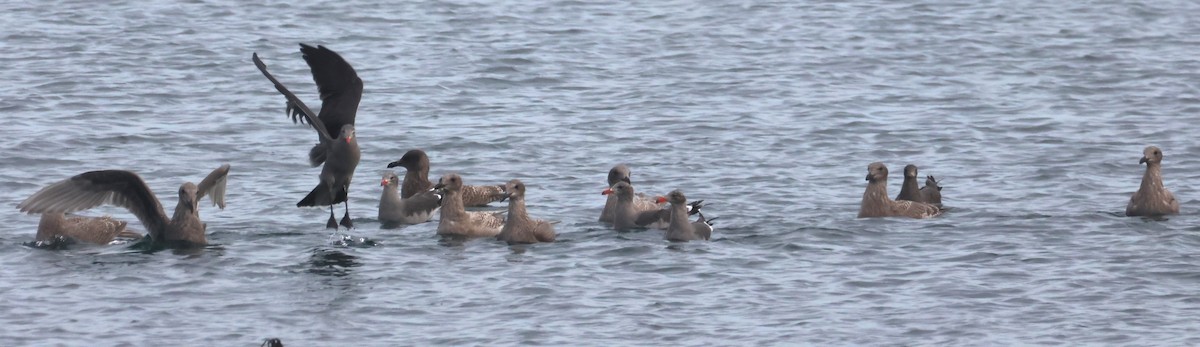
(1034, 114)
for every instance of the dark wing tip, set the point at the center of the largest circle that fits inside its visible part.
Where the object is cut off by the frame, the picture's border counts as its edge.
(258, 62)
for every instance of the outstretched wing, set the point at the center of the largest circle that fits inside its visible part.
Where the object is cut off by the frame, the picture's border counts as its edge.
(295, 108)
(341, 89)
(95, 188)
(214, 185)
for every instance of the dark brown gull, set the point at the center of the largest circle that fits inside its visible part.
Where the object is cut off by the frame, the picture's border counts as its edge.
(931, 193)
(341, 90)
(909, 190)
(416, 179)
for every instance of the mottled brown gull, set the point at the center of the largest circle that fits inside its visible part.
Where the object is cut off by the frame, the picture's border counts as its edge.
(56, 227)
(456, 220)
(876, 203)
(1152, 198)
(519, 227)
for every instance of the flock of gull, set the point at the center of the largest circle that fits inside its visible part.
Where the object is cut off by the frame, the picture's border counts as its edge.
(415, 199)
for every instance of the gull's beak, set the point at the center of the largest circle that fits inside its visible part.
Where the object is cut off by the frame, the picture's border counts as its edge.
(1143, 161)
(868, 177)
(607, 192)
(384, 182)
(439, 186)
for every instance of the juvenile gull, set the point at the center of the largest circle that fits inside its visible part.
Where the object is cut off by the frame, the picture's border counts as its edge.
(682, 229)
(931, 193)
(1152, 198)
(620, 173)
(126, 189)
(416, 179)
(456, 220)
(909, 190)
(876, 203)
(341, 90)
(96, 230)
(519, 227)
(397, 210)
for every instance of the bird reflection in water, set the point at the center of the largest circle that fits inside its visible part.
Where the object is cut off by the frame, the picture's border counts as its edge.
(331, 262)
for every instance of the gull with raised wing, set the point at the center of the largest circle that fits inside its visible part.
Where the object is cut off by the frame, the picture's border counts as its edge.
(126, 189)
(931, 193)
(341, 91)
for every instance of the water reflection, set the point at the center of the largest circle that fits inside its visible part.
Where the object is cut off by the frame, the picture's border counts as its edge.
(332, 262)
(453, 241)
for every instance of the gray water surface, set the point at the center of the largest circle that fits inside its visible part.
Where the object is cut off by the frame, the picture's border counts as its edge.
(1034, 114)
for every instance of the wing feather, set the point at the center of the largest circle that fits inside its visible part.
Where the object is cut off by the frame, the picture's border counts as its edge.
(477, 196)
(915, 209)
(214, 185)
(341, 89)
(488, 219)
(295, 107)
(94, 188)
